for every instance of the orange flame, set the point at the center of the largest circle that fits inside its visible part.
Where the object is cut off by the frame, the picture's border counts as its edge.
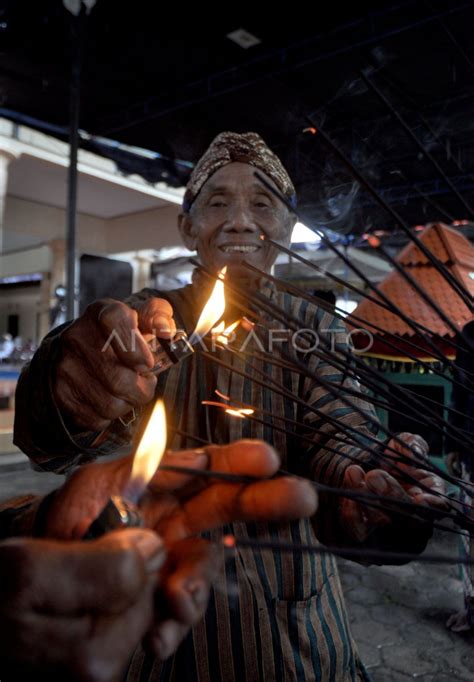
(213, 310)
(219, 328)
(150, 449)
(222, 333)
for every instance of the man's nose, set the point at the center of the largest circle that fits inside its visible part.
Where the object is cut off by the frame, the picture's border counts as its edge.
(240, 219)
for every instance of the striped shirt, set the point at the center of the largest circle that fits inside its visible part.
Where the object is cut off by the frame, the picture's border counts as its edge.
(272, 615)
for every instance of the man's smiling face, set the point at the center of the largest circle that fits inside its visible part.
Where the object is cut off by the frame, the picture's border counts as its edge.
(230, 214)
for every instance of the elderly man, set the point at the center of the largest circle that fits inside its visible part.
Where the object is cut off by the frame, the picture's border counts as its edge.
(272, 615)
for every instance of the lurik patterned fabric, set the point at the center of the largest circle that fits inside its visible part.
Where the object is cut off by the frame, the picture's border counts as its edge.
(244, 147)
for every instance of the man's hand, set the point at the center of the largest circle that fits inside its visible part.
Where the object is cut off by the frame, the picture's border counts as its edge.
(98, 376)
(359, 519)
(198, 505)
(179, 505)
(75, 611)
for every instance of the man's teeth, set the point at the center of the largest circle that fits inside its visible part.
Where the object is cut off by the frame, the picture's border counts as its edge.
(239, 249)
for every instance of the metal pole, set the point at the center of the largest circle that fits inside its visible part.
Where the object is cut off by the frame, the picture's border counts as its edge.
(74, 106)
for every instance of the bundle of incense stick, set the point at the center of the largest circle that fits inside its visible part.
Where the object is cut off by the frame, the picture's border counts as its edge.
(332, 358)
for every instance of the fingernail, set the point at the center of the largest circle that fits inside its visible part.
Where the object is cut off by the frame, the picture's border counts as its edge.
(151, 549)
(379, 484)
(356, 477)
(158, 645)
(161, 324)
(197, 591)
(197, 459)
(418, 452)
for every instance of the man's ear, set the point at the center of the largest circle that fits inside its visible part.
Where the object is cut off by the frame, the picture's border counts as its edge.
(187, 232)
(292, 220)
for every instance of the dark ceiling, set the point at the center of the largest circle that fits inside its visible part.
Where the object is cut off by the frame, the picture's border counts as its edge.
(170, 79)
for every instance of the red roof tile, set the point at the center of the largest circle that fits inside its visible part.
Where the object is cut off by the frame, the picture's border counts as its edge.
(445, 243)
(457, 254)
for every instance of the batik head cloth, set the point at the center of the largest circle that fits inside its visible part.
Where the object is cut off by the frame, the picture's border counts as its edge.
(244, 147)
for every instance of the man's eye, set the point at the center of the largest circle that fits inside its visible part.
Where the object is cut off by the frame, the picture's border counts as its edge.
(217, 203)
(262, 204)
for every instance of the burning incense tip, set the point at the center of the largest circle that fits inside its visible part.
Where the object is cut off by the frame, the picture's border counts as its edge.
(373, 241)
(247, 324)
(228, 541)
(239, 412)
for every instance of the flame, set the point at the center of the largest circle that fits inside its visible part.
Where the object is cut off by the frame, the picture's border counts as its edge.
(222, 333)
(212, 311)
(150, 450)
(228, 330)
(240, 412)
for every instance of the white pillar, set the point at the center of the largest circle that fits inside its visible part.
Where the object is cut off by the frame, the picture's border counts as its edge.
(141, 273)
(5, 158)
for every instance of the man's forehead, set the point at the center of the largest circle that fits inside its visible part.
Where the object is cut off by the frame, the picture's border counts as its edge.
(233, 174)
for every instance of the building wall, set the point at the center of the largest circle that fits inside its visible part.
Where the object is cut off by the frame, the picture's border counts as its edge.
(150, 229)
(28, 223)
